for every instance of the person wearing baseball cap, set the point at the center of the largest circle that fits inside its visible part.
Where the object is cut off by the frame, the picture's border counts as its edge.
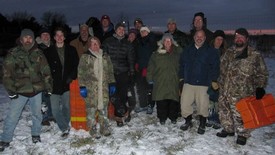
(243, 73)
(107, 28)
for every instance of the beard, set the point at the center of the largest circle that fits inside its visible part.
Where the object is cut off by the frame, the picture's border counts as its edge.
(28, 45)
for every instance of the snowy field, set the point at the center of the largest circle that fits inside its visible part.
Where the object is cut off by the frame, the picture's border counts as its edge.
(142, 136)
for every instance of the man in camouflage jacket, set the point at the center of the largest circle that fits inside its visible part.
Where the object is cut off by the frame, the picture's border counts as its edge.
(26, 76)
(243, 73)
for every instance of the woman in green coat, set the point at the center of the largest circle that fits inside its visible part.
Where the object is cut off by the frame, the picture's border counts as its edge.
(162, 73)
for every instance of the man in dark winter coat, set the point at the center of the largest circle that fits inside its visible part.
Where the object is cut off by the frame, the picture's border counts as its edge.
(199, 68)
(123, 59)
(63, 61)
(107, 28)
(180, 37)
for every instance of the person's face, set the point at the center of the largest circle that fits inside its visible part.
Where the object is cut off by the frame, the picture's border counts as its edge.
(198, 22)
(218, 42)
(240, 40)
(138, 25)
(105, 22)
(26, 41)
(167, 42)
(120, 31)
(84, 33)
(171, 27)
(95, 45)
(45, 37)
(199, 38)
(59, 37)
(132, 37)
(144, 33)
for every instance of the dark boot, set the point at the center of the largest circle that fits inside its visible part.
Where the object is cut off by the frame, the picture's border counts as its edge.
(201, 129)
(241, 140)
(224, 134)
(187, 124)
(4, 145)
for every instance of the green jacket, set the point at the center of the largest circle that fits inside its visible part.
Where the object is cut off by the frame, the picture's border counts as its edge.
(163, 71)
(26, 72)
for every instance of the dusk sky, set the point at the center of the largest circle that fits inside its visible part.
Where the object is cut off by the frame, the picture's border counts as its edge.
(221, 14)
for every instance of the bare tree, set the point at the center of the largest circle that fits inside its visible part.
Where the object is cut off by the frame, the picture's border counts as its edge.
(53, 18)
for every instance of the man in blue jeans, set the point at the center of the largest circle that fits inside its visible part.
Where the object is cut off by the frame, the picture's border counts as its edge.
(26, 75)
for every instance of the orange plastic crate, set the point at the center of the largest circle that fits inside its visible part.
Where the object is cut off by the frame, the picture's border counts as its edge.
(78, 107)
(257, 113)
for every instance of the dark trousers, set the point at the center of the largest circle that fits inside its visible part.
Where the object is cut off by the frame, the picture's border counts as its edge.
(142, 90)
(122, 84)
(167, 109)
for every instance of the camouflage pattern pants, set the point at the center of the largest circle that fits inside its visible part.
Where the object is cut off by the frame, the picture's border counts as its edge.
(230, 118)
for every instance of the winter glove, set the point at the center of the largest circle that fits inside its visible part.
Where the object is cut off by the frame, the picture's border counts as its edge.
(83, 91)
(44, 108)
(69, 80)
(47, 94)
(13, 96)
(112, 89)
(215, 85)
(181, 83)
(260, 92)
(132, 78)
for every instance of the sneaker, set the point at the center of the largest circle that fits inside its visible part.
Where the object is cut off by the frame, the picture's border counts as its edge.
(149, 110)
(140, 109)
(216, 126)
(241, 140)
(119, 123)
(224, 134)
(46, 123)
(36, 139)
(4, 145)
(65, 133)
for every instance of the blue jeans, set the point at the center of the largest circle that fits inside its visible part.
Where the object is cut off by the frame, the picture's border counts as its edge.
(15, 111)
(61, 110)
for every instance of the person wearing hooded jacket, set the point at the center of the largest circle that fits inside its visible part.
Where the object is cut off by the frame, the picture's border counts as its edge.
(162, 75)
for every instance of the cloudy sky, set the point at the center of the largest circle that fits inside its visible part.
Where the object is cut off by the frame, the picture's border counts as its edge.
(221, 14)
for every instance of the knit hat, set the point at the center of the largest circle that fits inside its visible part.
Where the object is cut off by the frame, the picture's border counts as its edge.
(120, 24)
(138, 20)
(105, 17)
(199, 14)
(219, 33)
(27, 32)
(145, 28)
(44, 30)
(171, 20)
(242, 31)
(133, 31)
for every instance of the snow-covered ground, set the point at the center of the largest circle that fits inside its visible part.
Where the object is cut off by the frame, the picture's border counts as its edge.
(142, 136)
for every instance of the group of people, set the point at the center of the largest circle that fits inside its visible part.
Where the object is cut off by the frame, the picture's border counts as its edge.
(173, 73)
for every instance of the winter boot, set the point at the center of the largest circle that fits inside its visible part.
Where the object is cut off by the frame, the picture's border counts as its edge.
(104, 129)
(224, 134)
(94, 132)
(149, 109)
(241, 140)
(65, 133)
(4, 145)
(201, 129)
(36, 139)
(187, 124)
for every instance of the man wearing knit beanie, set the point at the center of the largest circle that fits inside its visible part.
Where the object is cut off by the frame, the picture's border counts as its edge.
(26, 75)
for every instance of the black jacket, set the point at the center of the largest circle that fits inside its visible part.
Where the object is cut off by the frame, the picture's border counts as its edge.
(61, 81)
(121, 53)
